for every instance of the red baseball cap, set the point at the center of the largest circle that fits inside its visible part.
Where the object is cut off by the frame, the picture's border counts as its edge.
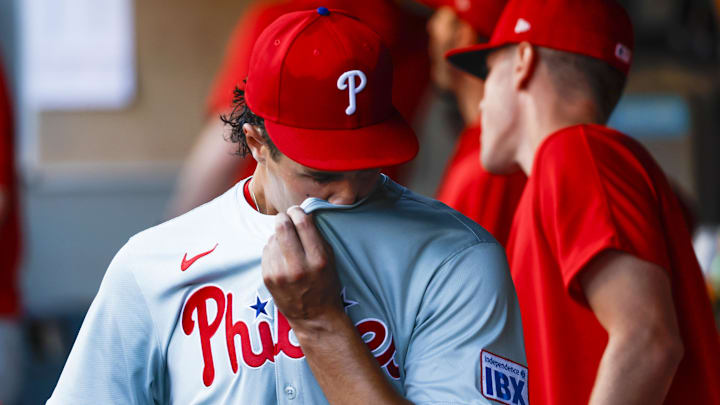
(599, 29)
(322, 81)
(482, 15)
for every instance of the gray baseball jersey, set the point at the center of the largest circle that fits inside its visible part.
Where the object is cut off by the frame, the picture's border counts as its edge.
(182, 315)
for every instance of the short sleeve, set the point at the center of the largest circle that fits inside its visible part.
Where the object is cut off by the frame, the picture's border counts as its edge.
(115, 358)
(596, 195)
(469, 309)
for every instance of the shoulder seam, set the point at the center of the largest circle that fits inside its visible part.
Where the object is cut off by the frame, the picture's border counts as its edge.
(452, 213)
(461, 249)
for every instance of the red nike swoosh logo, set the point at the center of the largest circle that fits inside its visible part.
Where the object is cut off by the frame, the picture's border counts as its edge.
(185, 264)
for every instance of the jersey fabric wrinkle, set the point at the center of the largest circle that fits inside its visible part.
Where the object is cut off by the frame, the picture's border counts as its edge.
(427, 288)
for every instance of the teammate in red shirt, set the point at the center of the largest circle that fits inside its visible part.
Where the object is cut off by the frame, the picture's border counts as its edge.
(488, 199)
(212, 165)
(613, 302)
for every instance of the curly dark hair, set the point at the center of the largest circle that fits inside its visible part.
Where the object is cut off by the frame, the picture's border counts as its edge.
(241, 115)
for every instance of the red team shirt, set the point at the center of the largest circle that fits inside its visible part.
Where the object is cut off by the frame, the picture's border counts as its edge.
(404, 33)
(593, 189)
(9, 223)
(488, 199)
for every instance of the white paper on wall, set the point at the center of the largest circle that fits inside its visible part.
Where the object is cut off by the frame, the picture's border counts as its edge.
(78, 54)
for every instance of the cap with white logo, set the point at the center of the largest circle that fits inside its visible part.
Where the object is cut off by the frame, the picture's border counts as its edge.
(599, 29)
(322, 81)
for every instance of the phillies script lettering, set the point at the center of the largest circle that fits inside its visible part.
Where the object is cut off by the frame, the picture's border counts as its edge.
(373, 331)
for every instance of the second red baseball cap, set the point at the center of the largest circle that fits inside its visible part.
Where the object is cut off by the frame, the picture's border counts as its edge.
(322, 81)
(599, 29)
(480, 14)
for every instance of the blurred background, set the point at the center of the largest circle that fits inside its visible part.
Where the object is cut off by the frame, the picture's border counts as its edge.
(109, 96)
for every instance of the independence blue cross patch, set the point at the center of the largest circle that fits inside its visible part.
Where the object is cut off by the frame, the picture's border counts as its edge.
(503, 380)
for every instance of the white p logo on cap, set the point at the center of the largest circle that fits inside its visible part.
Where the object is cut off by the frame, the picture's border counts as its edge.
(347, 81)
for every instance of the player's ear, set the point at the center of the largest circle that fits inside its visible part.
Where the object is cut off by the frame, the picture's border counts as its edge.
(525, 59)
(255, 142)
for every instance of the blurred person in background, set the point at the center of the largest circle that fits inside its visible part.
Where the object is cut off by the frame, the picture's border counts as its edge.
(712, 272)
(213, 165)
(10, 339)
(612, 298)
(488, 199)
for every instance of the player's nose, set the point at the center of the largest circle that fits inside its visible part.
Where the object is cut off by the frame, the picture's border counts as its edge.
(344, 192)
(346, 197)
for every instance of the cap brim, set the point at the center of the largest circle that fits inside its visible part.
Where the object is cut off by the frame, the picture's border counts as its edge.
(472, 59)
(388, 143)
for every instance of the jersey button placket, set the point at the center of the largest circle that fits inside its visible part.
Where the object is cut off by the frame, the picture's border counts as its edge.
(290, 392)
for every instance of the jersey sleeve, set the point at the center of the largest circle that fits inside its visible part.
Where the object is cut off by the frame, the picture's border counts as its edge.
(467, 346)
(115, 358)
(597, 196)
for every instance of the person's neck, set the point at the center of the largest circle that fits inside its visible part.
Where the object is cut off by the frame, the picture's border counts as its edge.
(545, 117)
(257, 189)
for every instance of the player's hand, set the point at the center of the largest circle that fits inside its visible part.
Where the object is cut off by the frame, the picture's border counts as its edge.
(299, 271)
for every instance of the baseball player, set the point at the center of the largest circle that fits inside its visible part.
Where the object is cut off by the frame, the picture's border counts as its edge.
(488, 199)
(212, 165)
(10, 335)
(365, 294)
(613, 302)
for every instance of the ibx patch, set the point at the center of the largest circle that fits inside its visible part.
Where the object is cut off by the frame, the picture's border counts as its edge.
(503, 380)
